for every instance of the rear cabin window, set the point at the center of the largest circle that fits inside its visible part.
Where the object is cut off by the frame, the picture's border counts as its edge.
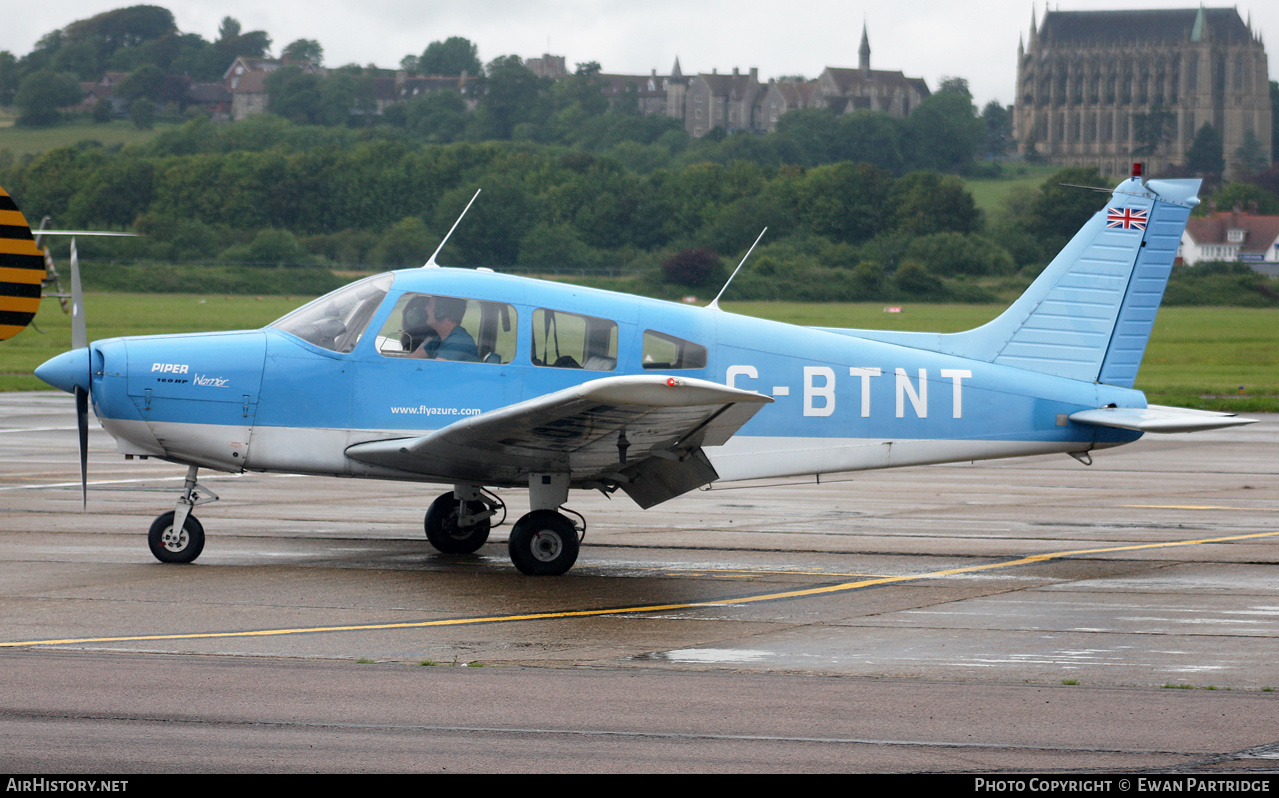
(434, 327)
(662, 351)
(569, 341)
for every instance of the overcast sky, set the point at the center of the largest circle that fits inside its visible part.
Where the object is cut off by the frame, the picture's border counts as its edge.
(922, 38)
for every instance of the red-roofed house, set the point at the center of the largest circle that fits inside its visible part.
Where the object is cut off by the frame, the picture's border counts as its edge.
(245, 79)
(1232, 235)
(103, 91)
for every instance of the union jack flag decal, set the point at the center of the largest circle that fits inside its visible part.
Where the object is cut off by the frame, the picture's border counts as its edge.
(1127, 218)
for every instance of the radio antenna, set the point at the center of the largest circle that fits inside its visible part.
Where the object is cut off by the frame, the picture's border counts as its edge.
(430, 263)
(714, 305)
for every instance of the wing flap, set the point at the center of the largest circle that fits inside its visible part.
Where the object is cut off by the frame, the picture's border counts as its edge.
(642, 432)
(654, 480)
(1159, 418)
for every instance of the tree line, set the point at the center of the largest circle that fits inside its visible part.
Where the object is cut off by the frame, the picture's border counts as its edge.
(142, 41)
(266, 191)
(502, 100)
(859, 205)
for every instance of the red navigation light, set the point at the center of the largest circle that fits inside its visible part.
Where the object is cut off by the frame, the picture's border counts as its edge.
(671, 381)
(1137, 169)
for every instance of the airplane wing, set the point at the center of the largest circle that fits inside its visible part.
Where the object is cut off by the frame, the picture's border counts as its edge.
(644, 433)
(1159, 418)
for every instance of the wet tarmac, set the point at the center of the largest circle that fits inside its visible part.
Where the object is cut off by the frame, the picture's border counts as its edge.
(1048, 614)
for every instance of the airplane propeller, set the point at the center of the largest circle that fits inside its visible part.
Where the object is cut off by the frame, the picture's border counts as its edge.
(80, 340)
(72, 371)
(26, 268)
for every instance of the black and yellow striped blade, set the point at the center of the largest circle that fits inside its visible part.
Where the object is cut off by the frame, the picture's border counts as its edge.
(21, 269)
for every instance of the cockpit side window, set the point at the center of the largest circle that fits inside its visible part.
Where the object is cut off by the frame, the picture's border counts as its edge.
(662, 351)
(568, 340)
(336, 321)
(436, 327)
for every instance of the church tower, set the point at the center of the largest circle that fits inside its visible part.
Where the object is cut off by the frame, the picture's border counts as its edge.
(676, 91)
(863, 54)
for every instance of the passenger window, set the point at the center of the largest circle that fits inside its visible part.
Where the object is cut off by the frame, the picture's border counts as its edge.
(433, 327)
(569, 341)
(663, 351)
(336, 321)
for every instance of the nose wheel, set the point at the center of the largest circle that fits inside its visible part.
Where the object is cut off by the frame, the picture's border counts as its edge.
(176, 536)
(180, 544)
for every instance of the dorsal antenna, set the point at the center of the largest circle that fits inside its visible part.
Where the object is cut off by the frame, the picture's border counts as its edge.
(430, 263)
(1098, 189)
(714, 305)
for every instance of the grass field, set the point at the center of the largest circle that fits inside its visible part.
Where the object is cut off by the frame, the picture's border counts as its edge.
(990, 194)
(1197, 357)
(32, 141)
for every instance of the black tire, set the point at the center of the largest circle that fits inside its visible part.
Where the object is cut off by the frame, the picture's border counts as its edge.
(443, 532)
(544, 543)
(184, 548)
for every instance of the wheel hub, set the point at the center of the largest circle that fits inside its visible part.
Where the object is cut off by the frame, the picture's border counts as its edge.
(175, 540)
(547, 545)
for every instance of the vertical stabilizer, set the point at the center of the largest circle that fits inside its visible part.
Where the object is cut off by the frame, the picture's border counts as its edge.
(1095, 304)
(1089, 315)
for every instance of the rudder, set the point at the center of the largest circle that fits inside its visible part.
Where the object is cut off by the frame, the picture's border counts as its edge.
(1150, 275)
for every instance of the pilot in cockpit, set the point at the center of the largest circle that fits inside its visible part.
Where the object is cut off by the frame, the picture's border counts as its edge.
(433, 329)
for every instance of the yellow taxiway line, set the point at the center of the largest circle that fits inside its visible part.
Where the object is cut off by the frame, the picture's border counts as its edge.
(539, 616)
(1197, 507)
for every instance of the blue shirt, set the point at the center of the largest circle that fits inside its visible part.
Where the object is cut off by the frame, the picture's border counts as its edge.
(459, 345)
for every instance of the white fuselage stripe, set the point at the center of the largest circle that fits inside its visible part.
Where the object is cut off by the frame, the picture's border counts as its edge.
(318, 451)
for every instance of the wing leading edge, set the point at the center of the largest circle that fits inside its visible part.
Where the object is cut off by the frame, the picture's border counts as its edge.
(642, 433)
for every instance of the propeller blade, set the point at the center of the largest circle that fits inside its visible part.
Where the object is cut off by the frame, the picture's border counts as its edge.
(82, 427)
(21, 270)
(80, 340)
(79, 335)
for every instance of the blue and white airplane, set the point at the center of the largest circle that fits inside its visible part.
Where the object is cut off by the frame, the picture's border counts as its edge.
(482, 380)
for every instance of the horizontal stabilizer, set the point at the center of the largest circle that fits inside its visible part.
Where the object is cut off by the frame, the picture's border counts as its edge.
(1158, 418)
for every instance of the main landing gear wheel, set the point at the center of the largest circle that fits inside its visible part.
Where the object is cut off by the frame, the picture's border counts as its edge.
(169, 545)
(444, 532)
(544, 543)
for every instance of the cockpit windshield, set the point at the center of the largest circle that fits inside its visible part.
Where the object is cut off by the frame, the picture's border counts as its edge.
(336, 321)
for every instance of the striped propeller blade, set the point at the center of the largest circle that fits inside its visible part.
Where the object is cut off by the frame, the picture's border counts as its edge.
(22, 269)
